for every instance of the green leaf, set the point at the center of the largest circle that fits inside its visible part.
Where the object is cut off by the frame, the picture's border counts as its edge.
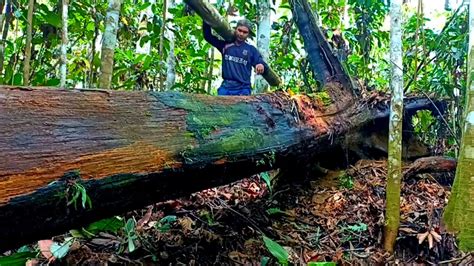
(168, 219)
(60, 250)
(90, 26)
(18, 79)
(324, 263)
(164, 224)
(276, 250)
(264, 261)
(275, 211)
(83, 196)
(131, 245)
(53, 19)
(53, 82)
(112, 225)
(360, 227)
(17, 259)
(266, 177)
(24, 249)
(76, 233)
(143, 6)
(130, 226)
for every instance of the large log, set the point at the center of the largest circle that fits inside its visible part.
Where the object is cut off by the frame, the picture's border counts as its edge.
(212, 17)
(130, 149)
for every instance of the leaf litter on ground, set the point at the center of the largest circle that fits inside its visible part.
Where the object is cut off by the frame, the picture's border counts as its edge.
(306, 222)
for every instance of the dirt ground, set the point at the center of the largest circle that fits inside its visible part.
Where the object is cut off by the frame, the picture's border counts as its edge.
(333, 217)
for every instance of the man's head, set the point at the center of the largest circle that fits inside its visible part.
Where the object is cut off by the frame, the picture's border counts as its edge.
(242, 30)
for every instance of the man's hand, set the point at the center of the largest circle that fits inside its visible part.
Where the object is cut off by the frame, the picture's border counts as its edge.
(259, 69)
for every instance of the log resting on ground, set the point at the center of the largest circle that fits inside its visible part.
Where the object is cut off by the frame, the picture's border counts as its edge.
(130, 149)
(433, 164)
(212, 17)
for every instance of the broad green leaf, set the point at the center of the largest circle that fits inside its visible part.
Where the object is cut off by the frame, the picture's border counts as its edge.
(276, 250)
(143, 6)
(53, 19)
(60, 250)
(53, 82)
(112, 225)
(17, 259)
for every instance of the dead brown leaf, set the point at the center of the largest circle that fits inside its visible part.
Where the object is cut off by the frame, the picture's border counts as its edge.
(45, 248)
(186, 223)
(145, 219)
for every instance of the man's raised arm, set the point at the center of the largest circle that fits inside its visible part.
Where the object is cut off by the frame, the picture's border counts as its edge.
(213, 40)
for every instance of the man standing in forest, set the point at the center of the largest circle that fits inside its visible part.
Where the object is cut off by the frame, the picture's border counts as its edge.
(238, 58)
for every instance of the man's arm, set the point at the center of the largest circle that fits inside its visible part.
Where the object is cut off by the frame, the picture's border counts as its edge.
(258, 62)
(213, 40)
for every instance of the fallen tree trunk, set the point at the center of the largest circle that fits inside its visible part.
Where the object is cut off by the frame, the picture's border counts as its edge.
(433, 164)
(130, 149)
(212, 17)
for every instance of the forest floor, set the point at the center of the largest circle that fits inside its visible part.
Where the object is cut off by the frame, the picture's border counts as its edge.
(335, 217)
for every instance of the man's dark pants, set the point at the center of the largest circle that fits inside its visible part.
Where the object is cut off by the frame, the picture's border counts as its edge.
(232, 88)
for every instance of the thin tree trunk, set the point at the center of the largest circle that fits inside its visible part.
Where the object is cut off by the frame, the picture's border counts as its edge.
(29, 30)
(92, 73)
(109, 43)
(2, 47)
(459, 214)
(162, 39)
(145, 17)
(447, 5)
(2, 15)
(204, 74)
(210, 72)
(64, 43)
(394, 170)
(4, 26)
(263, 40)
(171, 58)
(345, 18)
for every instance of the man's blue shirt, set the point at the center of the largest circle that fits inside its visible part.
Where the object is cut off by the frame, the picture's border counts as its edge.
(237, 60)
